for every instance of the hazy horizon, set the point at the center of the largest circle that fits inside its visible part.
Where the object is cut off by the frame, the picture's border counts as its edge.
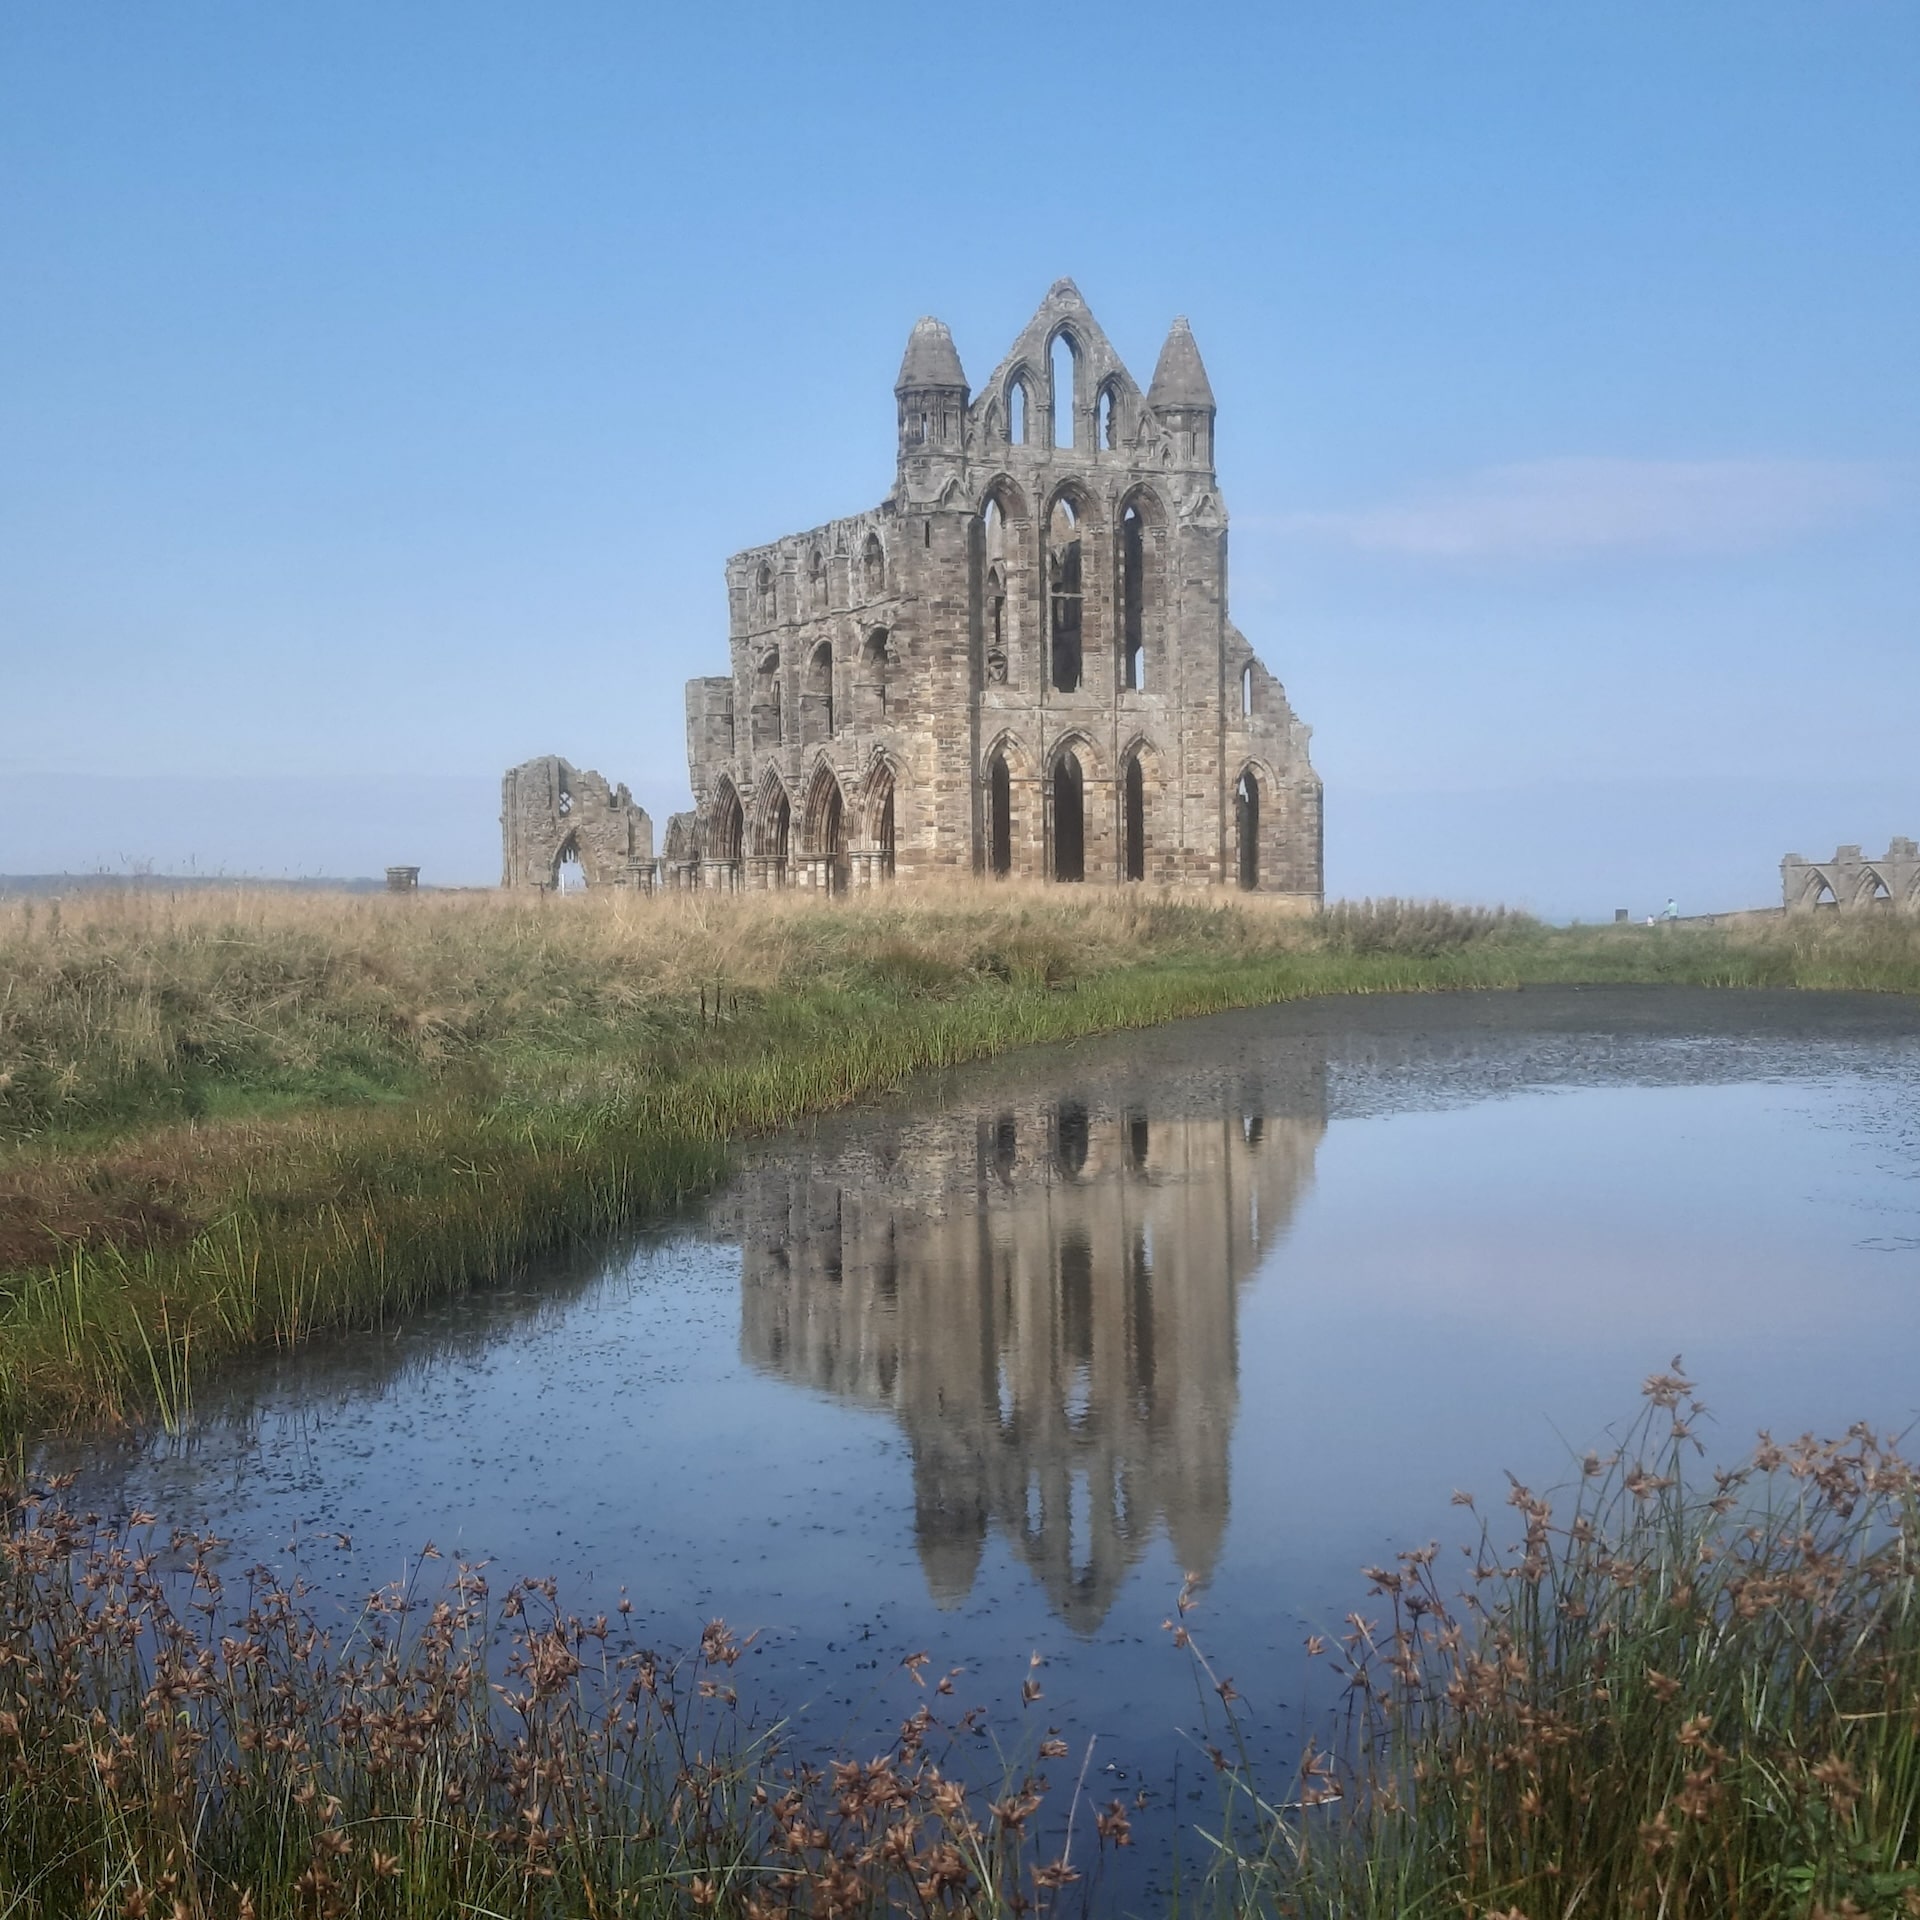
(389, 389)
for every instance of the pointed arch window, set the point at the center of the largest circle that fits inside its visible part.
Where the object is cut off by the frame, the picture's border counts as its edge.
(776, 830)
(1133, 598)
(1064, 595)
(996, 654)
(1069, 818)
(1246, 820)
(880, 816)
(1133, 820)
(1019, 410)
(817, 581)
(1109, 418)
(870, 690)
(874, 564)
(816, 699)
(766, 728)
(1246, 691)
(765, 595)
(728, 821)
(999, 817)
(1063, 368)
(825, 823)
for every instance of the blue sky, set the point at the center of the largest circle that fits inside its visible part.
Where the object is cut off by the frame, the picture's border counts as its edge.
(383, 387)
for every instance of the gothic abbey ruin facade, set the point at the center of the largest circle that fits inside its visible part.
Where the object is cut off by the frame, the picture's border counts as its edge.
(1020, 663)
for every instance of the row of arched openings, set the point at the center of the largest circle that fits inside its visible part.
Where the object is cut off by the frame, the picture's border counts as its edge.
(1072, 1138)
(1021, 416)
(1065, 595)
(824, 832)
(1871, 890)
(819, 590)
(1066, 796)
(820, 720)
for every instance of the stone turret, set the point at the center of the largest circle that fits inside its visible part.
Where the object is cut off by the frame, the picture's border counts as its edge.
(1182, 396)
(932, 396)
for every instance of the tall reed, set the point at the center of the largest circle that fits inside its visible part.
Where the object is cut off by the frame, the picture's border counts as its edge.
(173, 1749)
(1675, 1694)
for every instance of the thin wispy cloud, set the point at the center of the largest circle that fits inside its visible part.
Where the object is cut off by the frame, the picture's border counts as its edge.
(1550, 509)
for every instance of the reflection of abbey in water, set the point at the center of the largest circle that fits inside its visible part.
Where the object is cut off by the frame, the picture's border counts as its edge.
(1044, 1295)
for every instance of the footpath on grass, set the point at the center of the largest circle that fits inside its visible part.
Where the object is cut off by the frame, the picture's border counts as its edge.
(231, 1122)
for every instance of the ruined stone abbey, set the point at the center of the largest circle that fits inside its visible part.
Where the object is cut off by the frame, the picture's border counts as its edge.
(1020, 663)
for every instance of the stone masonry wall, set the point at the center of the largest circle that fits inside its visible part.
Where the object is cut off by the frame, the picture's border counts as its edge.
(550, 811)
(1853, 882)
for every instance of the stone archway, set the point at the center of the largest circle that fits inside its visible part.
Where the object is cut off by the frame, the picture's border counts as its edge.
(571, 873)
(1067, 797)
(824, 836)
(1246, 822)
(1133, 821)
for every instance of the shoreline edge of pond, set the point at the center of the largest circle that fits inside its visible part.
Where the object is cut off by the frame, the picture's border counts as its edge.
(274, 1118)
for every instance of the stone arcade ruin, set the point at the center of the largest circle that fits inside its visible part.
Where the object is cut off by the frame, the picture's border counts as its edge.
(1851, 882)
(1020, 663)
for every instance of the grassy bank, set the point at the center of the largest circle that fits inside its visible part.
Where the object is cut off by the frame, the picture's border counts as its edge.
(229, 1120)
(1673, 1693)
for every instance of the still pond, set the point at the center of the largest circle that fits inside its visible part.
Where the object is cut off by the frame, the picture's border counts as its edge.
(984, 1368)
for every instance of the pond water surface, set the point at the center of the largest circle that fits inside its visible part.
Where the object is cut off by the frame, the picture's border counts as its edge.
(985, 1368)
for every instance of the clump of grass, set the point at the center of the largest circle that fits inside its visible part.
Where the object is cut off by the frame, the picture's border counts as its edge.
(120, 1009)
(1422, 927)
(174, 1750)
(1675, 1695)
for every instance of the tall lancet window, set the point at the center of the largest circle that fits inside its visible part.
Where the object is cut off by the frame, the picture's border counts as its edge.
(1061, 370)
(995, 663)
(1063, 594)
(1133, 599)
